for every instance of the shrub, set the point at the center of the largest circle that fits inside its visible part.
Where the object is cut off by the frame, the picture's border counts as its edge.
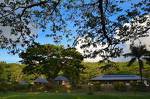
(3, 87)
(19, 87)
(120, 86)
(139, 87)
(97, 87)
(39, 87)
(90, 89)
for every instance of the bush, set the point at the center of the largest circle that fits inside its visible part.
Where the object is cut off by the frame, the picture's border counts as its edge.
(39, 87)
(120, 86)
(13, 86)
(19, 87)
(139, 87)
(90, 89)
(97, 87)
(4, 87)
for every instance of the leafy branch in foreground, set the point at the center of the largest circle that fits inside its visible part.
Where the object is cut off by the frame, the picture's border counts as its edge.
(95, 19)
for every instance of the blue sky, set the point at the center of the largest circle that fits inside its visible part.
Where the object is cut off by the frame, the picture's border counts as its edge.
(41, 39)
(15, 58)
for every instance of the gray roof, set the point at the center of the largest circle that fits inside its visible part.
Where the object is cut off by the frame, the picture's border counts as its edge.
(116, 77)
(61, 78)
(41, 80)
(23, 82)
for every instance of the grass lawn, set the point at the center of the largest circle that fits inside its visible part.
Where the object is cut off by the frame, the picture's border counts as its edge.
(74, 96)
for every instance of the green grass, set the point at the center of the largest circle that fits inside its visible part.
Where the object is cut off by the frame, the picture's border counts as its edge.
(74, 96)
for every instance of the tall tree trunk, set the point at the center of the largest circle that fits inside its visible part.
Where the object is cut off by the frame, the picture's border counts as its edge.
(141, 73)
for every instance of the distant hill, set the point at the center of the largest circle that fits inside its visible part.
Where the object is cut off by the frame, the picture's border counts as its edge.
(92, 69)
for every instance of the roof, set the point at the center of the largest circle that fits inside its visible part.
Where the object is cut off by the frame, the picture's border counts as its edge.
(23, 82)
(41, 80)
(116, 77)
(61, 78)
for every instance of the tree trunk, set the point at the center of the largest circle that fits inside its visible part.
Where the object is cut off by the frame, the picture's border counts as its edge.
(103, 21)
(141, 74)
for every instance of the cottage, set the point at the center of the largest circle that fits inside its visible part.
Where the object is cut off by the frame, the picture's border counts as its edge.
(41, 81)
(61, 80)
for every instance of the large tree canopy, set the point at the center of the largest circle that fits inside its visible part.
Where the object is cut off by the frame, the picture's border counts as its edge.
(50, 60)
(95, 19)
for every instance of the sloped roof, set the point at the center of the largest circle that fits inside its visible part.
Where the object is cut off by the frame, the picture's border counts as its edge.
(61, 78)
(23, 82)
(41, 80)
(116, 77)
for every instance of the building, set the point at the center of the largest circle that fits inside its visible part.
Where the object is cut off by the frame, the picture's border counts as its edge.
(117, 77)
(127, 78)
(61, 80)
(41, 81)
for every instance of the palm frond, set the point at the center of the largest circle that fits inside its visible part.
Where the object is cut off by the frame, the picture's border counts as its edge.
(147, 60)
(138, 51)
(131, 61)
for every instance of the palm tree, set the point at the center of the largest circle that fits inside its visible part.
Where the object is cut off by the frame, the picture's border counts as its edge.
(139, 54)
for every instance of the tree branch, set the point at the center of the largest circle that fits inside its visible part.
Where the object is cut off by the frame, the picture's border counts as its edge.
(55, 6)
(33, 5)
(103, 22)
(38, 4)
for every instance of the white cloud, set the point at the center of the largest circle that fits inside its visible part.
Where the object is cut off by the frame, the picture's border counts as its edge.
(91, 49)
(143, 40)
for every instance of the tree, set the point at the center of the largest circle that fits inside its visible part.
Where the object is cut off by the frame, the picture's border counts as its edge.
(1, 72)
(15, 71)
(5, 74)
(50, 60)
(91, 18)
(11, 72)
(73, 64)
(139, 53)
